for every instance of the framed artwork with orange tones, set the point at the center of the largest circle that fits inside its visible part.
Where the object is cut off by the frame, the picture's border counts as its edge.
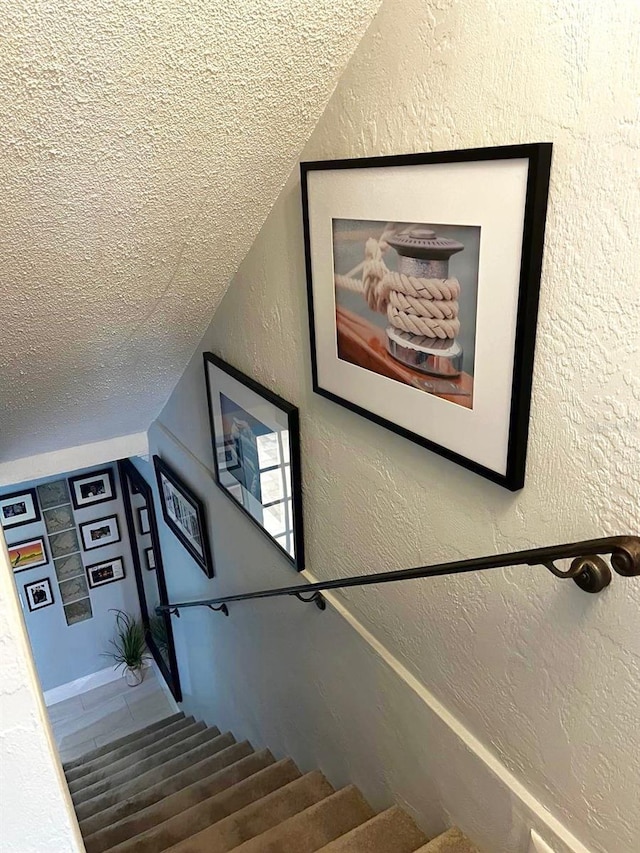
(28, 555)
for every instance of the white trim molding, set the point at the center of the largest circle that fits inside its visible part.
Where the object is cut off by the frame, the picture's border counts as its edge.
(73, 458)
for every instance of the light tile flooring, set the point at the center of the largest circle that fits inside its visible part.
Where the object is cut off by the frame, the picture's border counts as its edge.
(106, 713)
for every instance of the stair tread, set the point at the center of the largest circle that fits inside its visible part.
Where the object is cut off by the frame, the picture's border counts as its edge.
(451, 841)
(391, 831)
(141, 768)
(309, 830)
(110, 757)
(114, 744)
(243, 824)
(133, 758)
(221, 762)
(168, 823)
(152, 777)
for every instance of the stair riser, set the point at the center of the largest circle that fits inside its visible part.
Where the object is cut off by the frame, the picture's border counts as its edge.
(151, 794)
(284, 797)
(140, 769)
(134, 748)
(251, 822)
(221, 782)
(153, 777)
(123, 741)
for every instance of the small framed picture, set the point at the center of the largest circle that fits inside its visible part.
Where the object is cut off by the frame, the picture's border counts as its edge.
(150, 558)
(101, 532)
(184, 514)
(143, 520)
(19, 508)
(256, 453)
(108, 571)
(28, 555)
(94, 488)
(38, 594)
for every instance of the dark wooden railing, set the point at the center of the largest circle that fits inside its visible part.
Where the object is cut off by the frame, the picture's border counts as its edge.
(588, 570)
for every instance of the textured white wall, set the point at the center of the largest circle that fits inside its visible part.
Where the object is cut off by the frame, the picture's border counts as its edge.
(142, 146)
(35, 808)
(547, 677)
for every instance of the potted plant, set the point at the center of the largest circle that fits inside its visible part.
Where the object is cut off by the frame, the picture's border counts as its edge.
(130, 648)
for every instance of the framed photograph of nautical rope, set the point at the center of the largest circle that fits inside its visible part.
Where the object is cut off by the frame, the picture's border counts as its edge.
(184, 514)
(256, 454)
(19, 508)
(94, 488)
(423, 274)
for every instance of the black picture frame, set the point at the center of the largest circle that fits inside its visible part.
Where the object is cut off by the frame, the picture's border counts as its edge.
(99, 542)
(440, 191)
(172, 486)
(15, 561)
(75, 483)
(133, 484)
(50, 597)
(90, 570)
(149, 555)
(24, 496)
(228, 386)
(143, 520)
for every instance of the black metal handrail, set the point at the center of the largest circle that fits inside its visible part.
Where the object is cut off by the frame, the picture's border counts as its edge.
(588, 570)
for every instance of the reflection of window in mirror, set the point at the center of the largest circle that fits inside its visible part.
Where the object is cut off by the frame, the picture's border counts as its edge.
(275, 486)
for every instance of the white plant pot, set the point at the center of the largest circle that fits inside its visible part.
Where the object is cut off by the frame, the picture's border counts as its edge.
(133, 677)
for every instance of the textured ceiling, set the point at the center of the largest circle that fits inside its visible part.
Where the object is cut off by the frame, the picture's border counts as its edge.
(142, 145)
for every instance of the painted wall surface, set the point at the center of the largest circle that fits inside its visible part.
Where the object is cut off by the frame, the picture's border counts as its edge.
(64, 652)
(143, 146)
(545, 676)
(36, 813)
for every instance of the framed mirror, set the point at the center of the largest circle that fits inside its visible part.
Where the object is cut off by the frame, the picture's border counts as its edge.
(150, 580)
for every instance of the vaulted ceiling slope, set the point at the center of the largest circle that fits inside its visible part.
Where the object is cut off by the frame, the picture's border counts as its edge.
(143, 144)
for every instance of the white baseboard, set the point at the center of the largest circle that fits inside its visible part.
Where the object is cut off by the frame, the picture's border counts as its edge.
(80, 685)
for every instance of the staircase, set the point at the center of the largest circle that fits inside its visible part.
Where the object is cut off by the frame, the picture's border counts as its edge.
(181, 787)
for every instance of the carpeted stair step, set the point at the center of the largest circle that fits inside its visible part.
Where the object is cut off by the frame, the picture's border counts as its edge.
(452, 841)
(148, 742)
(392, 831)
(122, 741)
(152, 777)
(225, 764)
(130, 773)
(310, 830)
(140, 755)
(193, 809)
(244, 824)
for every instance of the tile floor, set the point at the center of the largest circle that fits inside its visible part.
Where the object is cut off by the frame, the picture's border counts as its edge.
(106, 713)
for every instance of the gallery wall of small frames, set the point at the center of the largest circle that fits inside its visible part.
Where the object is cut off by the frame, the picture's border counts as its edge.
(59, 506)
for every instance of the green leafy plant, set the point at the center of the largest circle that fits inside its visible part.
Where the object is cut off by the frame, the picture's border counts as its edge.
(158, 632)
(129, 646)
